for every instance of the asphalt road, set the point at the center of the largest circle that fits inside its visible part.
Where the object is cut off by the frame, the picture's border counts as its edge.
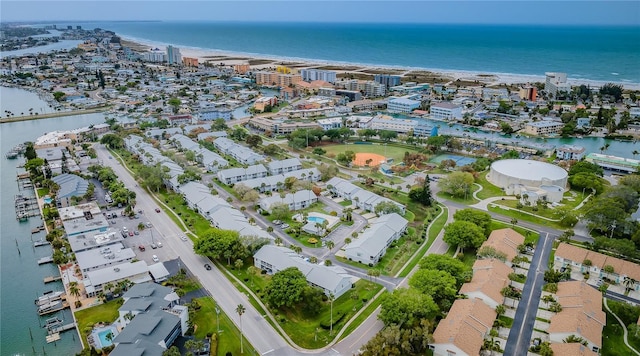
(519, 338)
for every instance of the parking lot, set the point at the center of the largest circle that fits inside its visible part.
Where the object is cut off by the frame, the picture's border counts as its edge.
(147, 237)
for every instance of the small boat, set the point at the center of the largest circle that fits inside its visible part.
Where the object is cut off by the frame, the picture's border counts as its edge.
(49, 297)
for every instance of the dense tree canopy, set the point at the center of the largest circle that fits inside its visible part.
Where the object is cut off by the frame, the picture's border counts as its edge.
(407, 307)
(453, 266)
(286, 288)
(586, 167)
(440, 285)
(457, 183)
(221, 244)
(463, 234)
(482, 219)
(387, 207)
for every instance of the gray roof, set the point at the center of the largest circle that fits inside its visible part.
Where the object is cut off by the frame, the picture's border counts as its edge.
(111, 254)
(285, 163)
(215, 134)
(282, 258)
(234, 172)
(375, 239)
(140, 348)
(147, 296)
(302, 195)
(153, 326)
(50, 154)
(117, 272)
(71, 185)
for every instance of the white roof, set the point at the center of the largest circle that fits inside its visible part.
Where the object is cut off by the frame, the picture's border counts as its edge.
(528, 169)
(118, 272)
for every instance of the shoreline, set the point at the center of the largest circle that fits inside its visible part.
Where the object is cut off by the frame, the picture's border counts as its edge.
(447, 75)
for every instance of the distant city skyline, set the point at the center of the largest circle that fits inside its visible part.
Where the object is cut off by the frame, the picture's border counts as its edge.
(452, 12)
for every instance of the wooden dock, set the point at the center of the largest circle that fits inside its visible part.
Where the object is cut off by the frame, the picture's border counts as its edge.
(52, 279)
(63, 305)
(44, 260)
(41, 243)
(59, 329)
(53, 338)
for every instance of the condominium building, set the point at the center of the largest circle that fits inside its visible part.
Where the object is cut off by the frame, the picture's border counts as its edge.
(402, 105)
(392, 124)
(173, 55)
(570, 152)
(154, 56)
(310, 75)
(446, 111)
(278, 79)
(543, 128)
(190, 62)
(529, 93)
(556, 82)
(387, 80)
(374, 89)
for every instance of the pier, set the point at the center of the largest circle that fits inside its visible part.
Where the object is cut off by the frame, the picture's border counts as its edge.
(52, 279)
(53, 307)
(37, 229)
(26, 207)
(45, 260)
(40, 243)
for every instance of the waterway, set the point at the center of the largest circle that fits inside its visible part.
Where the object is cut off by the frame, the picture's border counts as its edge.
(21, 278)
(56, 46)
(21, 102)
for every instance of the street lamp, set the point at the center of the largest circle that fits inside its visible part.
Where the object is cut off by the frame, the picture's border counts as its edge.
(613, 227)
(218, 318)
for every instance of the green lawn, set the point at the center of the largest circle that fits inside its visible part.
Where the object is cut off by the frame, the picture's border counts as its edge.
(193, 220)
(373, 305)
(436, 227)
(541, 211)
(345, 202)
(525, 217)
(488, 190)
(507, 321)
(390, 150)
(106, 313)
(205, 322)
(469, 198)
(612, 338)
(43, 191)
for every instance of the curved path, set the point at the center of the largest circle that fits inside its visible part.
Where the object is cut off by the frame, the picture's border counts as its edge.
(624, 328)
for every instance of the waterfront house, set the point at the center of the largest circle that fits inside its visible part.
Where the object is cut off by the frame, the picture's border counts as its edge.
(136, 272)
(373, 243)
(543, 128)
(464, 329)
(570, 152)
(330, 279)
(71, 186)
(105, 256)
(144, 297)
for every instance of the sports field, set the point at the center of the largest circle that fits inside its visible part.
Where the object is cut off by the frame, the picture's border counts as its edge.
(397, 153)
(374, 159)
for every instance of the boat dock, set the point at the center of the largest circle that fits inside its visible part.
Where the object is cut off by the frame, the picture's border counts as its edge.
(52, 279)
(24, 181)
(54, 327)
(40, 243)
(37, 229)
(26, 207)
(53, 307)
(62, 328)
(46, 259)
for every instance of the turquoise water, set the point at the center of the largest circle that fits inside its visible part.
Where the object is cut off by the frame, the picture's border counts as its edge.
(596, 53)
(103, 337)
(316, 219)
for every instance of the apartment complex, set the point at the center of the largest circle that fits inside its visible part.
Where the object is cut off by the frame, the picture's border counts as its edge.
(387, 80)
(402, 105)
(295, 201)
(173, 55)
(446, 111)
(570, 152)
(277, 79)
(543, 128)
(361, 198)
(556, 82)
(310, 75)
(374, 241)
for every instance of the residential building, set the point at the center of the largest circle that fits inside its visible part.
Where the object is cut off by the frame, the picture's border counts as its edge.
(384, 122)
(570, 152)
(330, 279)
(543, 128)
(265, 102)
(581, 314)
(241, 68)
(71, 186)
(234, 175)
(387, 80)
(276, 182)
(402, 105)
(583, 260)
(173, 55)
(614, 163)
(309, 75)
(144, 297)
(330, 123)
(295, 201)
(214, 113)
(280, 125)
(529, 93)
(105, 256)
(369, 247)
(506, 241)
(583, 122)
(277, 79)
(136, 272)
(190, 62)
(445, 111)
(328, 92)
(363, 199)
(284, 166)
(572, 349)
(490, 276)
(464, 329)
(374, 90)
(556, 82)
(154, 56)
(53, 139)
(210, 160)
(240, 153)
(353, 95)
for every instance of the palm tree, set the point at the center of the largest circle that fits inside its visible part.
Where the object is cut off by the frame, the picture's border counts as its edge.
(514, 221)
(278, 239)
(500, 309)
(575, 339)
(74, 290)
(548, 299)
(635, 153)
(240, 309)
(331, 299)
(330, 244)
(629, 283)
(347, 241)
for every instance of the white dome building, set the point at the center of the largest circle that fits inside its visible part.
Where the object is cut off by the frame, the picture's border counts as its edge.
(538, 180)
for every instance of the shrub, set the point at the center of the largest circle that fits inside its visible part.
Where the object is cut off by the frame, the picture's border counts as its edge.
(326, 323)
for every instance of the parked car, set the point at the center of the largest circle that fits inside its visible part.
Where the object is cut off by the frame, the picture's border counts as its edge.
(136, 232)
(141, 248)
(159, 244)
(154, 246)
(157, 210)
(207, 267)
(125, 229)
(148, 224)
(284, 226)
(130, 233)
(155, 258)
(183, 238)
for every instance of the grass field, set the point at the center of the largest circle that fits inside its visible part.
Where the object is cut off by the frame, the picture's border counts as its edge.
(488, 189)
(87, 318)
(612, 338)
(389, 151)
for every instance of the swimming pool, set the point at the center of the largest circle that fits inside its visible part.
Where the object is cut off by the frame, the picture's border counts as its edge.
(47, 199)
(316, 219)
(103, 337)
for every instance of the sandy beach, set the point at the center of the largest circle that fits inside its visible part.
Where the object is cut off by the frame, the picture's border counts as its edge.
(360, 70)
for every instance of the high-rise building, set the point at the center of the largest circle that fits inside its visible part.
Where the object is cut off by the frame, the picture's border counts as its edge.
(556, 82)
(528, 93)
(310, 75)
(387, 79)
(173, 55)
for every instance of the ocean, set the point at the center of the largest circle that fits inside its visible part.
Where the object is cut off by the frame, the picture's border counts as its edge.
(587, 53)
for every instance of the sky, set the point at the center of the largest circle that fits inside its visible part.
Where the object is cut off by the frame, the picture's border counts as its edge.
(543, 12)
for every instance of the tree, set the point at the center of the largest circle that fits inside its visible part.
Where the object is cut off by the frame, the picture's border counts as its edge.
(575, 339)
(463, 234)
(280, 210)
(586, 167)
(387, 207)
(457, 183)
(587, 181)
(58, 95)
(422, 194)
(545, 349)
(479, 218)
(271, 149)
(175, 103)
(254, 141)
(286, 288)
(440, 285)
(240, 309)
(613, 90)
(387, 135)
(73, 289)
(218, 244)
(311, 302)
(172, 351)
(491, 252)
(327, 171)
(219, 125)
(330, 244)
(407, 307)
(460, 271)
(112, 141)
